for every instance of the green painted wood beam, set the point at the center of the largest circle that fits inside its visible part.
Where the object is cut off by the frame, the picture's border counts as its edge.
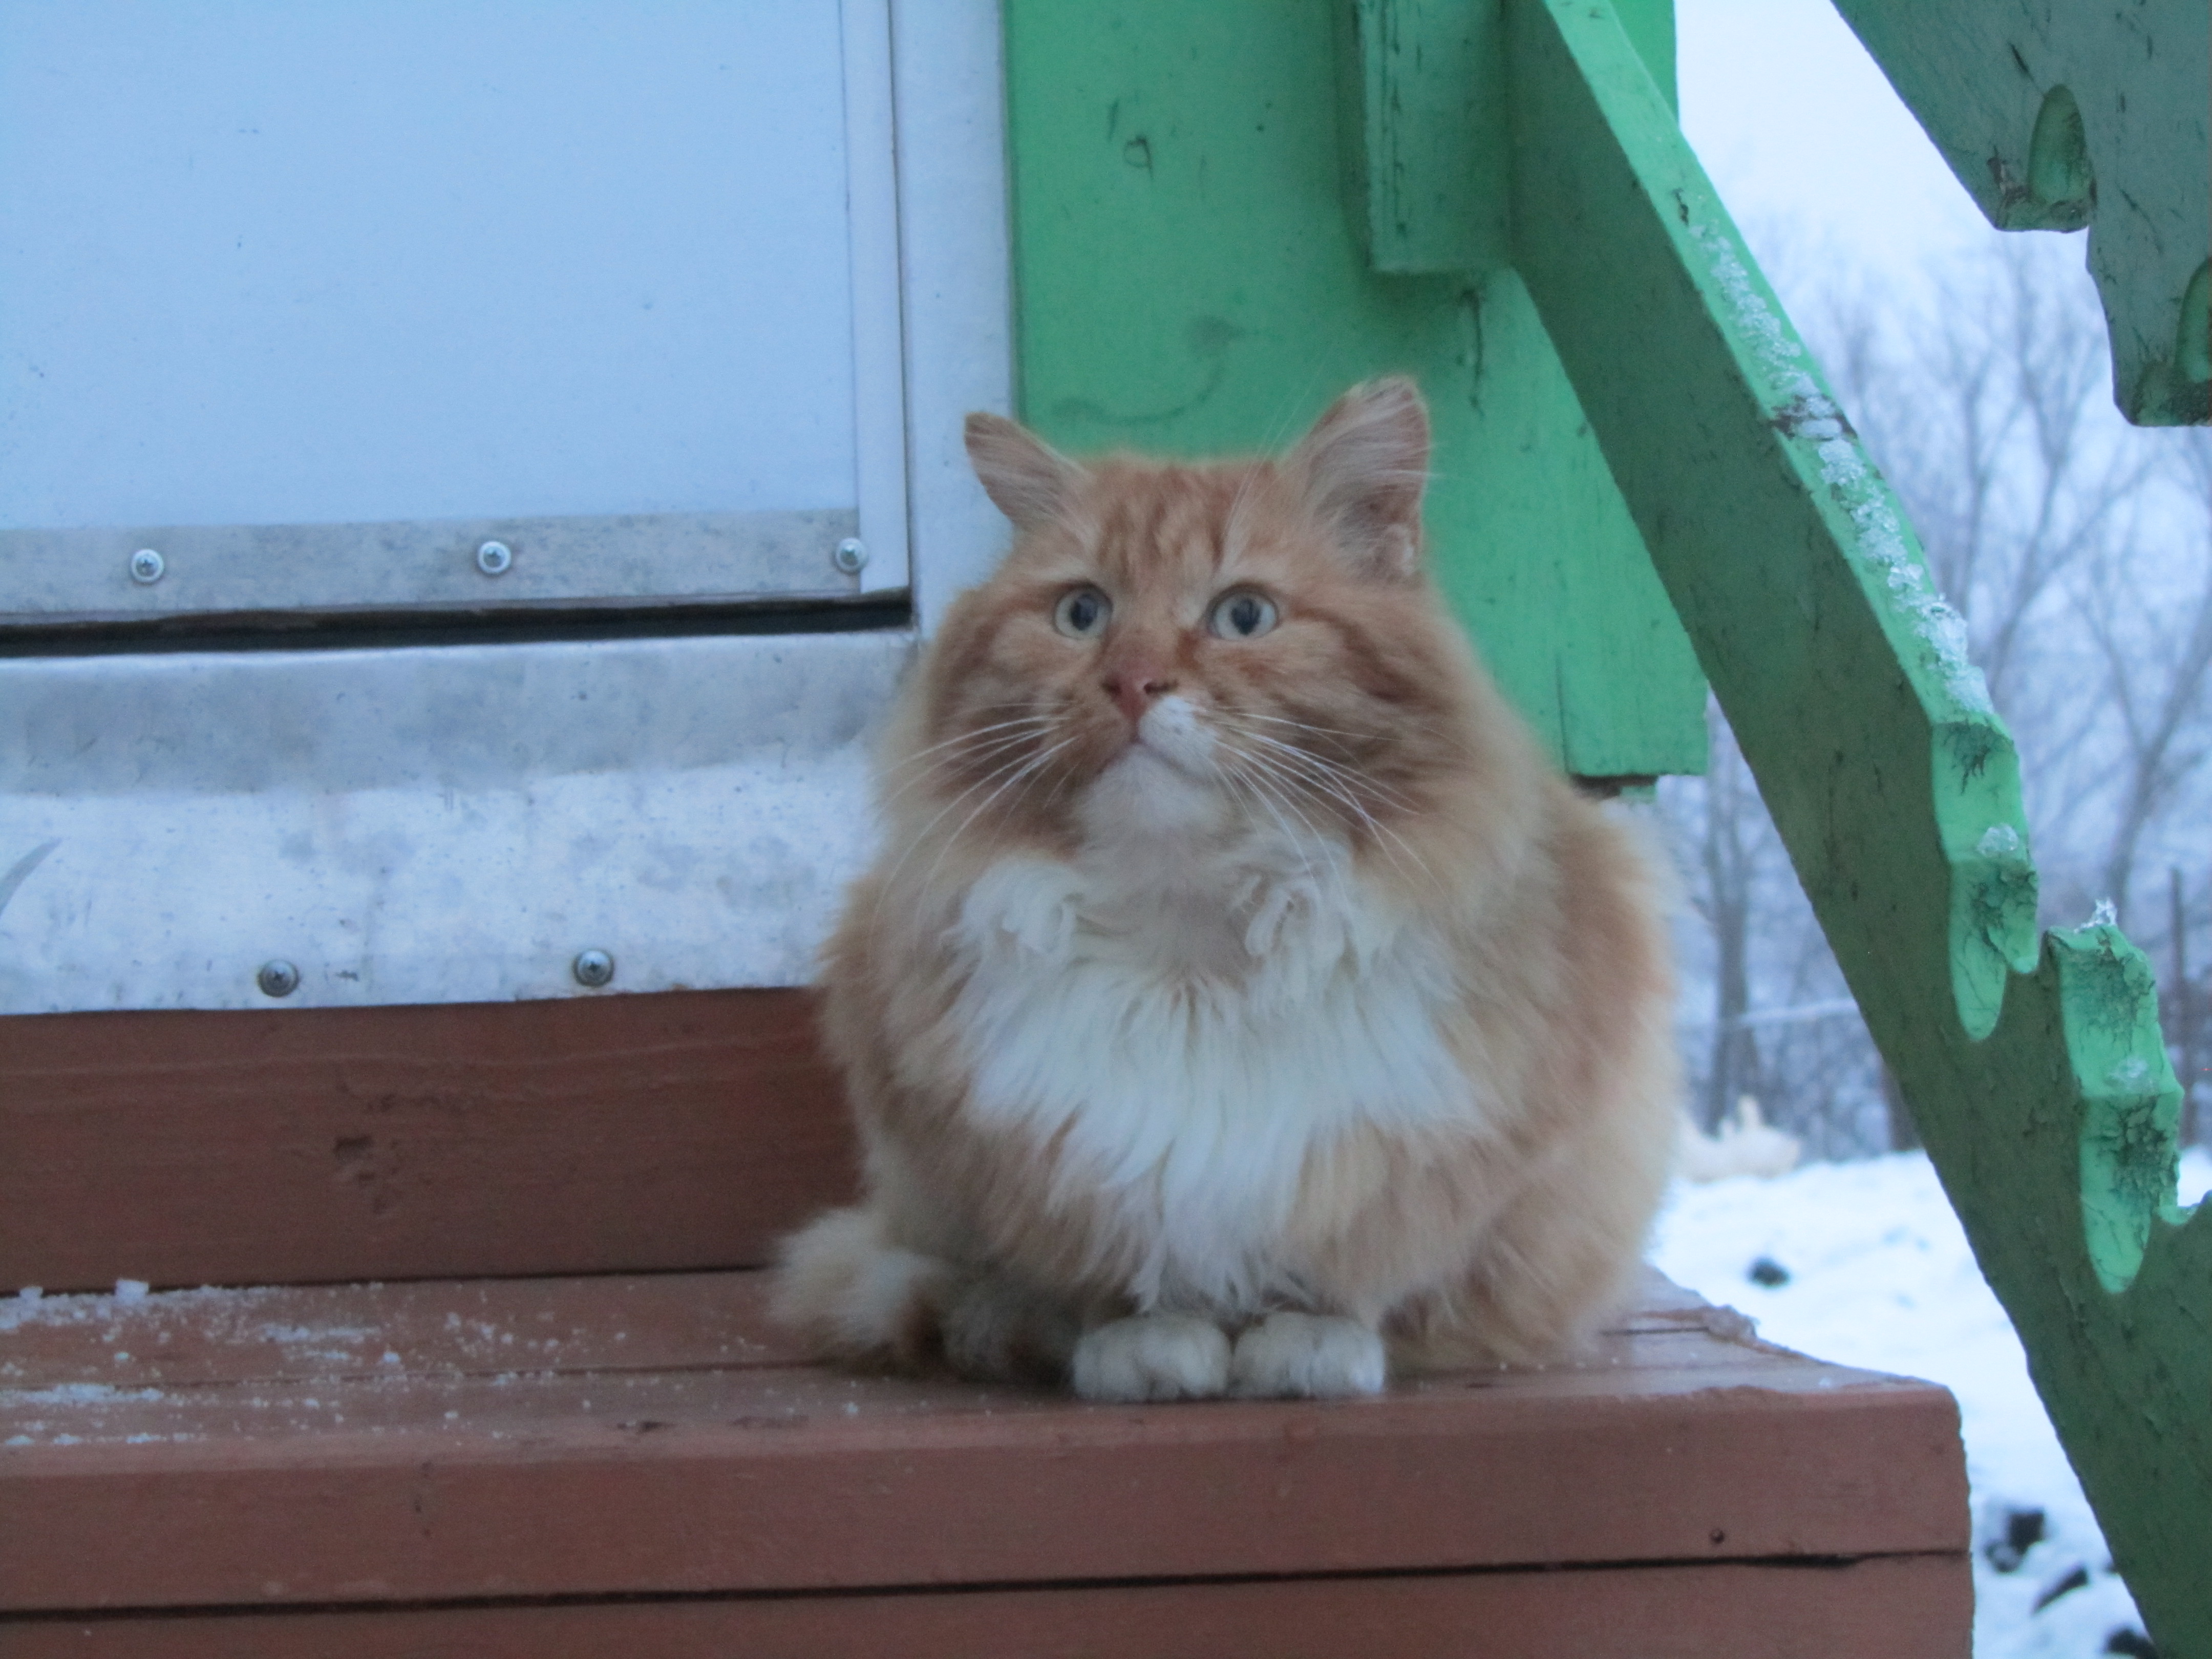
(2056, 114)
(2037, 1074)
(1190, 279)
(1422, 101)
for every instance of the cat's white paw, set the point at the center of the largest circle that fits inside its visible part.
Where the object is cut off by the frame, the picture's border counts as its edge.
(1297, 923)
(1275, 905)
(1295, 931)
(1306, 1357)
(1023, 902)
(1152, 1356)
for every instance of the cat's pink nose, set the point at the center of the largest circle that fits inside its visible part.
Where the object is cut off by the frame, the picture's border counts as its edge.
(1134, 688)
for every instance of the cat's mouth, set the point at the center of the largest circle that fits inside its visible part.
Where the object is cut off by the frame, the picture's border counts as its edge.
(1165, 780)
(1172, 730)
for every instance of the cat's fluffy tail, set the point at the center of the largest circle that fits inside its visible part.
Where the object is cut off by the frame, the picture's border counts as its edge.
(857, 1297)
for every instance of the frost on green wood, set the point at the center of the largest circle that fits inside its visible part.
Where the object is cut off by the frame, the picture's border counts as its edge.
(2131, 1103)
(1977, 785)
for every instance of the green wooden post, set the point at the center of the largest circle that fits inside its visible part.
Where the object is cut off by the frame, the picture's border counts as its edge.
(2054, 117)
(1195, 206)
(2039, 1078)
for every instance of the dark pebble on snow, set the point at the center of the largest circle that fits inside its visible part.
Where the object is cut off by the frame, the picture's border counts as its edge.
(2023, 1531)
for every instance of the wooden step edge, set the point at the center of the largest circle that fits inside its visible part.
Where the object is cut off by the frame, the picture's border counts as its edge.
(1890, 1606)
(1415, 1479)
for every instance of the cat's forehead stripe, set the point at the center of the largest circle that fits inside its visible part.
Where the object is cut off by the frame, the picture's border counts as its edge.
(1174, 514)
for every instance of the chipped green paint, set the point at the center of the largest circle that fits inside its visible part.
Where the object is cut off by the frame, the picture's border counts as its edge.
(1188, 280)
(2039, 1078)
(2055, 116)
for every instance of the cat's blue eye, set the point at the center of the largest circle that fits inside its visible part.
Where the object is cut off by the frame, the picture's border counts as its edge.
(1081, 613)
(1242, 616)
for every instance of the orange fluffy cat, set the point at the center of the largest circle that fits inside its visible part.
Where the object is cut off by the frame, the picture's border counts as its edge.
(1241, 998)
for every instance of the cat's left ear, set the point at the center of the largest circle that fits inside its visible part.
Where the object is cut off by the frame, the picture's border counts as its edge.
(1364, 466)
(1030, 480)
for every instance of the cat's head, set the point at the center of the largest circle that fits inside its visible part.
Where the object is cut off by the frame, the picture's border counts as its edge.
(1248, 641)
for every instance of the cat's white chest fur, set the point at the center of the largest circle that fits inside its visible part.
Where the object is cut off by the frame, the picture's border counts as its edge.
(1186, 1028)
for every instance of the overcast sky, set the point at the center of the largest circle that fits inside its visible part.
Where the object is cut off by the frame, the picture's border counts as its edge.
(1798, 128)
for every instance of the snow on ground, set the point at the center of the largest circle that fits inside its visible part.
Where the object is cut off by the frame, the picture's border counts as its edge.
(1880, 1276)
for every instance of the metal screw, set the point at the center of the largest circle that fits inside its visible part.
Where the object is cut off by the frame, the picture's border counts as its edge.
(851, 555)
(278, 978)
(147, 566)
(593, 968)
(493, 558)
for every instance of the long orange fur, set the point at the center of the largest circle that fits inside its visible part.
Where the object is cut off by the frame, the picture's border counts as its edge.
(1230, 1011)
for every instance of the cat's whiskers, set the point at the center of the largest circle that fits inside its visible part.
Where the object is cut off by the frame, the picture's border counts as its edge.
(968, 746)
(1028, 769)
(1399, 717)
(1356, 778)
(1018, 764)
(951, 768)
(1053, 799)
(1238, 777)
(1339, 787)
(1343, 784)
(958, 737)
(1289, 785)
(1304, 726)
(972, 746)
(1331, 870)
(1341, 781)
(1060, 786)
(1294, 765)
(1287, 776)
(1383, 832)
(1385, 792)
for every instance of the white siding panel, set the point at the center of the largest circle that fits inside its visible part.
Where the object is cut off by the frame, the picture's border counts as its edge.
(350, 262)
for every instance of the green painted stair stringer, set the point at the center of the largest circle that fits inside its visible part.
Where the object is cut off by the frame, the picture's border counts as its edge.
(2038, 1077)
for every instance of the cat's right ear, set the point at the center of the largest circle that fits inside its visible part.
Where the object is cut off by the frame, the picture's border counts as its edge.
(1365, 465)
(1030, 480)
